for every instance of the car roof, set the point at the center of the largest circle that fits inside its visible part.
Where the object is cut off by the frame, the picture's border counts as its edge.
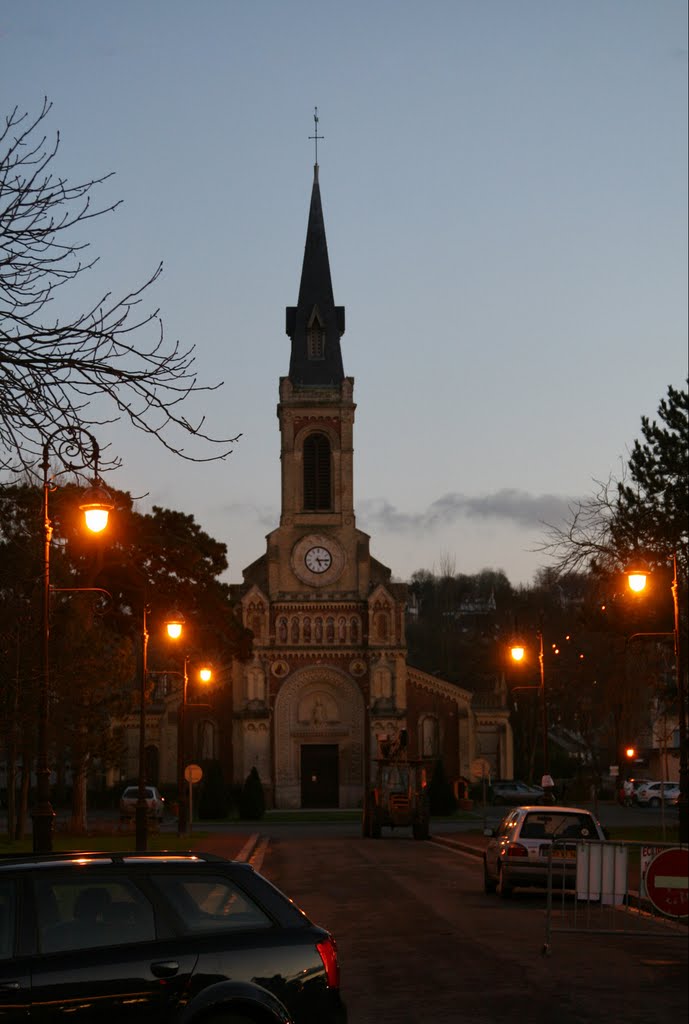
(555, 809)
(98, 859)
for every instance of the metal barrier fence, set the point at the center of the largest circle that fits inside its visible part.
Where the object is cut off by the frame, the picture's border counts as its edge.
(617, 888)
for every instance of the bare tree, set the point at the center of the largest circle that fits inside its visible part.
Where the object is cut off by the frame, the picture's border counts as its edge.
(55, 372)
(585, 541)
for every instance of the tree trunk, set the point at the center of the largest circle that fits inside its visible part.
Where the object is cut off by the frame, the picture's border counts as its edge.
(78, 823)
(23, 806)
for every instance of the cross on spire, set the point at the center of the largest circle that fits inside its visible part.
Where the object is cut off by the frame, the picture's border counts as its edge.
(316, 136)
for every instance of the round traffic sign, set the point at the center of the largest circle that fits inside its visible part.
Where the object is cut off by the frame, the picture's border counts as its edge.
(480, 768)
(667, 882)
(193, 773)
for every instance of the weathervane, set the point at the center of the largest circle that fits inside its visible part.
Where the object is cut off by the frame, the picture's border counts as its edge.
(316, 136)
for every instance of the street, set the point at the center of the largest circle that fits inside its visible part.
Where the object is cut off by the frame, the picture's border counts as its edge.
(419, 941)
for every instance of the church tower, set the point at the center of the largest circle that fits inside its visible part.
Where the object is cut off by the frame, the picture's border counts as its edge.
(328, 681)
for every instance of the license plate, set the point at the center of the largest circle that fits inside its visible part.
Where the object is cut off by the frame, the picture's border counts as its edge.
(564, 854)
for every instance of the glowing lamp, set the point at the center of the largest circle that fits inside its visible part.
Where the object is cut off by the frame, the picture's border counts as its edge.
(96, 504)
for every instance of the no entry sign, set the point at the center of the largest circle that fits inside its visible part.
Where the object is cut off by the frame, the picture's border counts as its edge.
(667, 882)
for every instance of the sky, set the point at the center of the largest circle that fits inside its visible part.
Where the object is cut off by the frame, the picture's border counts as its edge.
(504, 187)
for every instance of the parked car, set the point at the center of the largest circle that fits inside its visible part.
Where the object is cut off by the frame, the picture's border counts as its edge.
(518, 849)
(653, 794)
(171, 938)
(515, 792)
(155, 804)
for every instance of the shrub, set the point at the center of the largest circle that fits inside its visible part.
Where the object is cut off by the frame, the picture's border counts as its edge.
(252, 802)
(213, 802)
(441, 798)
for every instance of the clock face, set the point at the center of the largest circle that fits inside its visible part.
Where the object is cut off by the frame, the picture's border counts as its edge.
(318, 559)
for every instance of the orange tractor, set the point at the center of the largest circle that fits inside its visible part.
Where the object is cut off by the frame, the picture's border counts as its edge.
(398, 795)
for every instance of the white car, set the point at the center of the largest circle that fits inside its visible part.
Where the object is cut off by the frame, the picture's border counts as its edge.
(155, 803)
(655, 793)
(518, 850)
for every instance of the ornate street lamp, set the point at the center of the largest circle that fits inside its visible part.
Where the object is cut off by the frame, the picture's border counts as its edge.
(96, 505)
(637, 573)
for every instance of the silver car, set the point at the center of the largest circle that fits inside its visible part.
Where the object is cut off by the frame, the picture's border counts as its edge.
(155, 803)
(518, 849)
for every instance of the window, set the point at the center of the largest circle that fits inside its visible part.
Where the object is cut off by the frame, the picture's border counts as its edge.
(317, 473)
(429, 737)
(106, 912)
(7, 905)
(210, 904)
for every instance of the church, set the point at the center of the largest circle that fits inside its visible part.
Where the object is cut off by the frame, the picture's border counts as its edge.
(328, 681)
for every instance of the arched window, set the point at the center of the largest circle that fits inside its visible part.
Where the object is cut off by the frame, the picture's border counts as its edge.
(205, 741)
(381, 626)
(429, 737)
(317, 473)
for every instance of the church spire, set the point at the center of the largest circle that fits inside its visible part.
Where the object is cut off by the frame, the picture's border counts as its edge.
(315, 324)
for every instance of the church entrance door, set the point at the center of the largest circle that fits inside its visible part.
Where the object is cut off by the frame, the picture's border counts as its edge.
(320, 782)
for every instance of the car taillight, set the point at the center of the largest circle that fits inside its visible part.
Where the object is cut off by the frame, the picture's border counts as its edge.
(328, 954)
(516, 850)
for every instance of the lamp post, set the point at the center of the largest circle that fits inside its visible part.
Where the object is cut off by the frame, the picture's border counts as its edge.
(96, 504)
(141, 813)
(518, 652)
(175, 627)
(637, 574)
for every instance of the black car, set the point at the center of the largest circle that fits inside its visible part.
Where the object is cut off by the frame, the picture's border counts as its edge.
(179, 938)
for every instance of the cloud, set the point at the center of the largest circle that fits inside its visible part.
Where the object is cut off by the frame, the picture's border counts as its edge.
(510, 505)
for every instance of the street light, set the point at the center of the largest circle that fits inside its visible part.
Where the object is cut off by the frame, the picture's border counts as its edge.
(175, 627)
(141, 813)
(518, 652)
(96, 504)
(637, 574)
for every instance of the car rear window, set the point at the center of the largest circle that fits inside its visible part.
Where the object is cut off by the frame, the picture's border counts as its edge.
(559, 825)
(210, 904)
